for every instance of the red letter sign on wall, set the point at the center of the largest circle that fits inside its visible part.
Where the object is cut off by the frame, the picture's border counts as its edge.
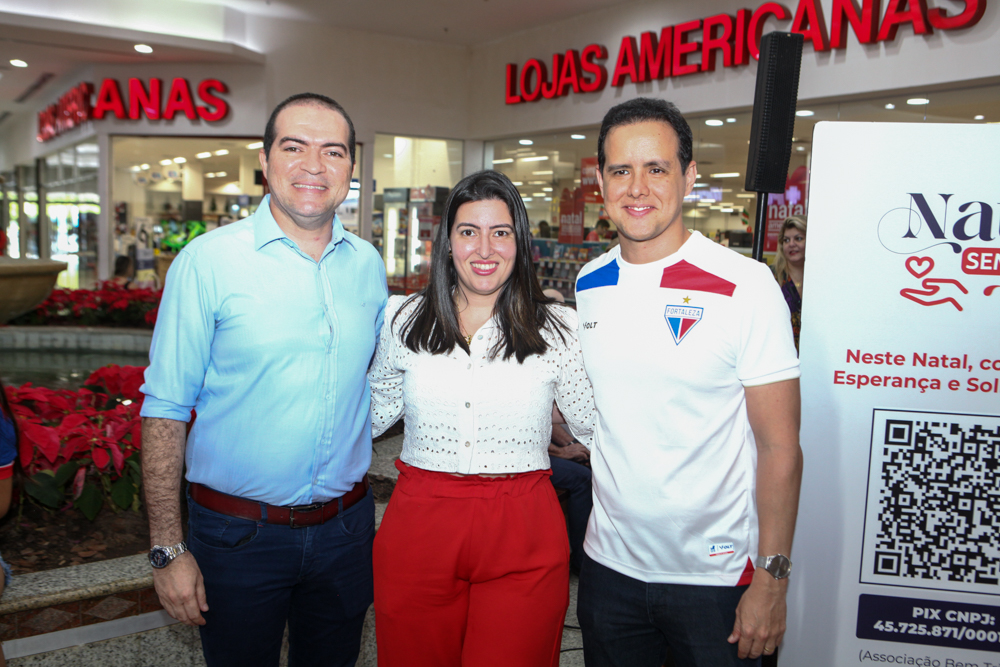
(74, 107)
(735, 37)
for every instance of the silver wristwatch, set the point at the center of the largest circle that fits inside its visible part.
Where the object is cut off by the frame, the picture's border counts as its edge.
(777, 566)
(160, 557)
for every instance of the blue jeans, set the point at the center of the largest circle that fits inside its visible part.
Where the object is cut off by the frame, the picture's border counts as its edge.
(629, 623)
(258, 576)
(575, 478)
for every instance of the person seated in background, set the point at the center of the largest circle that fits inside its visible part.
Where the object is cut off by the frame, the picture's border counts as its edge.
(601, 230)
(789, 267)
(544, 232)
(570, 463)
(123, 272)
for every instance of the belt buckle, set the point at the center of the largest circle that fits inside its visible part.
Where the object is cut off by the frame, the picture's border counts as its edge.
(306, 509)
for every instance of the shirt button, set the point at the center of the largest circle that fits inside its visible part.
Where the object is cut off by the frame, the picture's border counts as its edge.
(468, 444)
(468, 405)
(469, 366)
(480, 336)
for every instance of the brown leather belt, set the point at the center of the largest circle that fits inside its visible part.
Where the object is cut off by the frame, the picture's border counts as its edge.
(296, 516)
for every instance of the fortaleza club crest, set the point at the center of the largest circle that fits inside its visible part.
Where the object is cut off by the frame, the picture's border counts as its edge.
(681, 319)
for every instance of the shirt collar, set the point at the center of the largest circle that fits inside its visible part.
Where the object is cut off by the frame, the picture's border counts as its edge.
(265, 229)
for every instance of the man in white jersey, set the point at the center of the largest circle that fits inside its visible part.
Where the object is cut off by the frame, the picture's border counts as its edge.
(696, 465)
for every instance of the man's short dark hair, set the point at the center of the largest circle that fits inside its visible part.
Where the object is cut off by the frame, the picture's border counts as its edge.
(602, 222)
(307, 98)
(642, 109)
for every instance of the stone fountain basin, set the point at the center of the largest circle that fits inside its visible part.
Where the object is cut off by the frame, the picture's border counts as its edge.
(24, 283)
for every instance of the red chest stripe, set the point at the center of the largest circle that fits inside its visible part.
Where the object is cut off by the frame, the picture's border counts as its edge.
(685, 276)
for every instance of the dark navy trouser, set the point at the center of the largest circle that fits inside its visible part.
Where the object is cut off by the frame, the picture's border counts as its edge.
(575, 478)
(629, 623)
(258, 576)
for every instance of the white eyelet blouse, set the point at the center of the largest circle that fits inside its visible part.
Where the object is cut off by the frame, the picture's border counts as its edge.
(466, 414)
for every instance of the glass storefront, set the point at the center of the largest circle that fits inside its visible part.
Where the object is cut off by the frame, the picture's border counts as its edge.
(412, 179)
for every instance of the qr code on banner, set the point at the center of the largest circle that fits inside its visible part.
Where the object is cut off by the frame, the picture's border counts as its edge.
(932, 516)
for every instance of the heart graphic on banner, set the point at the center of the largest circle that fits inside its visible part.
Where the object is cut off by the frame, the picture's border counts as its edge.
(915, 265)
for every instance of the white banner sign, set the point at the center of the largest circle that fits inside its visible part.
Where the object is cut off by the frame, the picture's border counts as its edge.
(897, 550)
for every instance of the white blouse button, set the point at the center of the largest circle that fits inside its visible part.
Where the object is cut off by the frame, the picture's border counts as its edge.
(468, 405)
(480, 336)
(468, 444)
(469, 366)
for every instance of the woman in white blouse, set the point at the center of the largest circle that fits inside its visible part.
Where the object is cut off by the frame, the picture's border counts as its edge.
(471, 559)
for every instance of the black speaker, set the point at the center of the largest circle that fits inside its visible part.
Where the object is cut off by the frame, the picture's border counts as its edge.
(774, 111)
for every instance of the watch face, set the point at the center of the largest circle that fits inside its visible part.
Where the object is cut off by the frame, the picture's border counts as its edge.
(159, 558)
(780, 567)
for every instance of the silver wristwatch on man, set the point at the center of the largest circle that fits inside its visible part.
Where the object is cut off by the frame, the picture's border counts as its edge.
(160, 557)
(777, 566)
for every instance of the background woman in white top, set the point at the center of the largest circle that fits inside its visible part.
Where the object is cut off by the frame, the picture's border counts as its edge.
(471, 559)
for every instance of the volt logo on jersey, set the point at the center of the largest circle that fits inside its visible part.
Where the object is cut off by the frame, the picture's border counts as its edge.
(681, 319)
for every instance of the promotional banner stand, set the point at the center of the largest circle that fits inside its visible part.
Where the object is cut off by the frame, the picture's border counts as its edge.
(773, 123)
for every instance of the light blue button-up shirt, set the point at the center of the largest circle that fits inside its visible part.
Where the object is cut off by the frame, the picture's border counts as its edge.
(271, 349)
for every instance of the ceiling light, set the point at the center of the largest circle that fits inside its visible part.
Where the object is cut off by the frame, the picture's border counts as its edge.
(220, 174)
(726, 210)
(135, 168)
(746, 196)
(801, 149)
(537, 182)
(536, 158)
(730, 120)
(255, 145)
(699, 175)
(979, 117)
(705, 203)
(222, 151)
(202, 156)
(143, 48)
(918, 101)
(726, 174)
(714, 122)
(517, 183)
(18, 63)
(505, 160)
(701, 185)
(210, 175)
(890, 106)
(547, 189)
(548, 199)
(526, 142)
(523, 198)
(537, 194)
(180, 160)
(542, 173)
(803, 113)
(144, 166)
(577, 136)
(166, 162)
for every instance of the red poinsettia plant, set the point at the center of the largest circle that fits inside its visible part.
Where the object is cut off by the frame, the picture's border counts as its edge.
(110, 305)
(78, 447)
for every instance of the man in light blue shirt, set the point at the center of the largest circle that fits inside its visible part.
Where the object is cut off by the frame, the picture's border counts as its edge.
(266, 329)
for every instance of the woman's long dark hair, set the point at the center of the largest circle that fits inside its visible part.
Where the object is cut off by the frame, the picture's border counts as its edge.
(521, 310)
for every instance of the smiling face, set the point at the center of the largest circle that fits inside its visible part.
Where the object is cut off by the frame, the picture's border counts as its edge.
(644, 188)
(483, 248)
(793, 245)
(309, 168)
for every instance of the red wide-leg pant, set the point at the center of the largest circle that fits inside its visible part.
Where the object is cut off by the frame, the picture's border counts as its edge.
(471, 572)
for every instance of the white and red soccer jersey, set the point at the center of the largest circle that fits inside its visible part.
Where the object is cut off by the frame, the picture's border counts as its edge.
(669, 347)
